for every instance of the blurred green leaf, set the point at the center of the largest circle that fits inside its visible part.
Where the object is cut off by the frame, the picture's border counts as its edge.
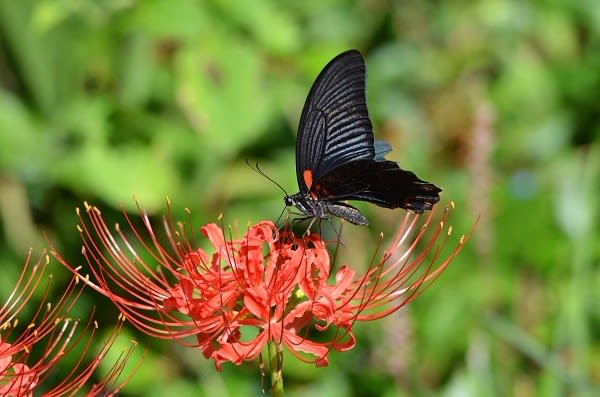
(106, 173)
(220, 92)
(274, 28)
(18, 132)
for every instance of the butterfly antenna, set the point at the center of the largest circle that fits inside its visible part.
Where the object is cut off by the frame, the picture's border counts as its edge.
(280, 215)
(257, 169)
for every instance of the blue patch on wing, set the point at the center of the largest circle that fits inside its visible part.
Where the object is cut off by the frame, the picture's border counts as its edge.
(381, 149)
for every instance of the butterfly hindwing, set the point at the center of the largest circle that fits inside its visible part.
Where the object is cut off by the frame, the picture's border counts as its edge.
(382, 183)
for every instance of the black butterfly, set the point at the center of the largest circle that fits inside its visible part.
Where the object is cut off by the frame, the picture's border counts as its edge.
(337, 157)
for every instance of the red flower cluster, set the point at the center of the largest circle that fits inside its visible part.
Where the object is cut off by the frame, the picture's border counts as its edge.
(30, 351)
(267, 287)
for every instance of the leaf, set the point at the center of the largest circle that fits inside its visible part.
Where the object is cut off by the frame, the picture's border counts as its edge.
(115, 174)
(220, 90)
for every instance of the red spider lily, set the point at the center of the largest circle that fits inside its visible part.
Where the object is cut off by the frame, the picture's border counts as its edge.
(269, 287)
(29, 353)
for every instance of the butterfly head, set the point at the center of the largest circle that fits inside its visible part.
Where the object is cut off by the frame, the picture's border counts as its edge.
(300, 201)
(305, 204)
(289, 201)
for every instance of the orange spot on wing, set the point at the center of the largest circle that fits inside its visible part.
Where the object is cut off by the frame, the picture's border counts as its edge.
(308, 180)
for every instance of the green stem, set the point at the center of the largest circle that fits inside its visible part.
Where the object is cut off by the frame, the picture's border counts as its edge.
(275, 364)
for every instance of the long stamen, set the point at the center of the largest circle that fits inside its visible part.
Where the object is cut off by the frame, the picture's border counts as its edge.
(270, 283)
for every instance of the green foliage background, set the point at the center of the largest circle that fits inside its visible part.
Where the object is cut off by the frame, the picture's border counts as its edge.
(496, 101)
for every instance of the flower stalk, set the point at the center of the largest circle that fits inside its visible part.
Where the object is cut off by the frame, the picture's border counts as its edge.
(276, 366)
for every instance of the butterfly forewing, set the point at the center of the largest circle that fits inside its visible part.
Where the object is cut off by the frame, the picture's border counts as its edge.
(334, 127)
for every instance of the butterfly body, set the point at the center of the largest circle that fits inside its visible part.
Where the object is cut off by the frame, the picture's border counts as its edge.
(337, 157)
(315, 208)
